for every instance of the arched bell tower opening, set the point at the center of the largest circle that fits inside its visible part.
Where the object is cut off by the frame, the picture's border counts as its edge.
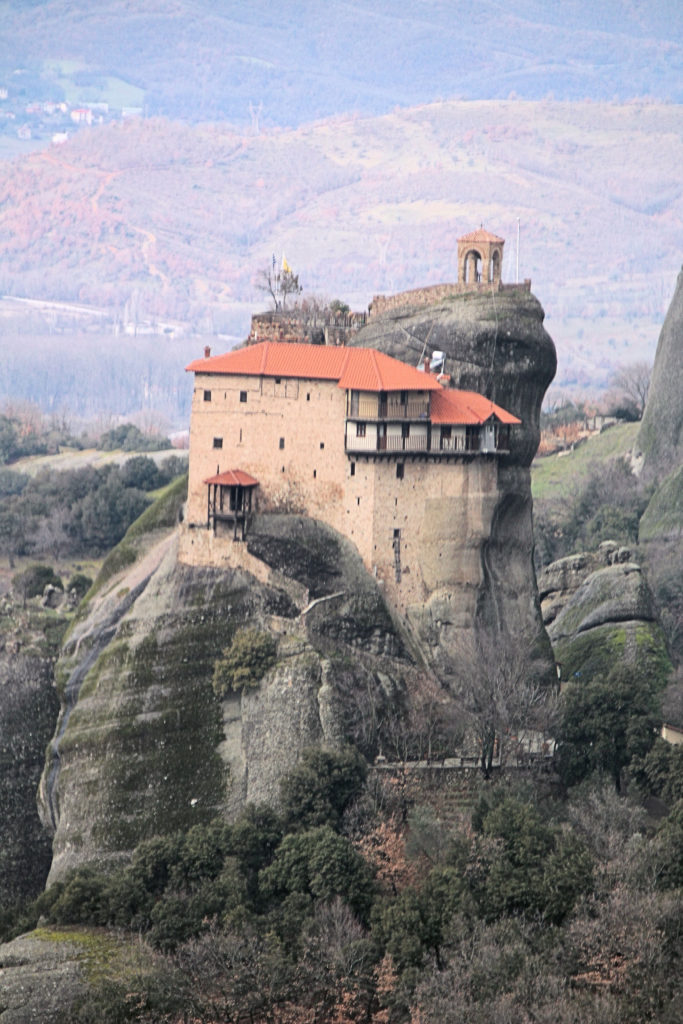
(480, 258)
(472, 264)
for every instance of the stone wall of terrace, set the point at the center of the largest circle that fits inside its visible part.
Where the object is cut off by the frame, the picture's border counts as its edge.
(429, 296)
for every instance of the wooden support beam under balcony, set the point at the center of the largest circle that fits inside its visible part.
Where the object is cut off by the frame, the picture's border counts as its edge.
(229, 500)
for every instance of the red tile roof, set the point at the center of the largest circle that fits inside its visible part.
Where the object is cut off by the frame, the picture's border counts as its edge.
(232, 478)
(466, 407)
(366, 369)
(361, 369)
(481, 235)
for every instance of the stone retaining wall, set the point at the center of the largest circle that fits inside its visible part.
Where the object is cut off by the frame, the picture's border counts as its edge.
(405, 302)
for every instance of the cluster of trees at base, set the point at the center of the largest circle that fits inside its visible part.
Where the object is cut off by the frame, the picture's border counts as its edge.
(79, 512)
(31, 433)
(337, 909)
(606, 506)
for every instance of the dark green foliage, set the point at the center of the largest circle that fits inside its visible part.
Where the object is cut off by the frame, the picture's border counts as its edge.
(252, 920)
(32, 581)
(74, 512)
(244, 662)
(321, 787)
(608, 506)
(79, 584)
(164, 512)
(666, 856)
(12, 482)
(413, 925)
(80, 899)
(9, 440)
(130, 438)
(531, 868)
(141, 472)
(605, 723)
(321, 864)
(661, 771)
(256, 835)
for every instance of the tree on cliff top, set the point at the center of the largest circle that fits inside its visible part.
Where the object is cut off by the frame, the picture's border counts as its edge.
(278, 284)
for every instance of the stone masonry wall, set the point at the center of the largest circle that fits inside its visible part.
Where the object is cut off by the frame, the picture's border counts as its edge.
(406, 302)
(449, 789)
(289, 435)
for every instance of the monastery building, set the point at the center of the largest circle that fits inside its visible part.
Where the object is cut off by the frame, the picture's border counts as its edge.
(385, 453)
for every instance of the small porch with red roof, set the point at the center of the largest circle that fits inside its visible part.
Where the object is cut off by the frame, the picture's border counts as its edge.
(230, 498)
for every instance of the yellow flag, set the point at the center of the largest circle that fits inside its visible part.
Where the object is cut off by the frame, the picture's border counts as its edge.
(285, 265)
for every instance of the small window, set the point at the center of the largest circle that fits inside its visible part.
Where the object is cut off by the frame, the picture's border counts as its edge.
(243, 396)
(397, 534)
(218, 442)
(353, 469)
(315, 473)
(405, 430)
(322, 445)
(360, 429)
(277, 380)
(400, 467)
(357, 501)
(282, 442)
(207, 396)
(308, 396)
(240, 435)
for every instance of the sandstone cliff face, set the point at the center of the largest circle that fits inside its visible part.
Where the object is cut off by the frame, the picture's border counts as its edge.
(598, 610)
(496, 345)
(660, 438)
(144, 746)
(28, 711)
(658, 454)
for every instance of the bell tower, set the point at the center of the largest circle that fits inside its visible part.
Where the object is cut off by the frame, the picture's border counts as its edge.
(480, 258)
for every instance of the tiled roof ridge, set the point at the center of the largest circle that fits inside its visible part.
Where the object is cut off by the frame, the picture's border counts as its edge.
(480, 235)
(375, 363)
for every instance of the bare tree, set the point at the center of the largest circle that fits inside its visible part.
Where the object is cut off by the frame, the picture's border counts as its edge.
(278, 284)
(506, 703)
(632, 381)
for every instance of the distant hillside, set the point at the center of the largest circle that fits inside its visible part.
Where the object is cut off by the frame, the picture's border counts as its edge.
(202, 60)
(153, 219)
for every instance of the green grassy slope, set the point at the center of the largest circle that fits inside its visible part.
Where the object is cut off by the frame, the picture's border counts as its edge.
(558, 476)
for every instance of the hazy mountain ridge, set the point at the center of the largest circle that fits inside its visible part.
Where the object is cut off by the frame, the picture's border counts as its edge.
(155, 219)
(306, 60)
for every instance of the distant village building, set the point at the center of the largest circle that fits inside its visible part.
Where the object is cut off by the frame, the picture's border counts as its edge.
(382, 452)
(81, 115)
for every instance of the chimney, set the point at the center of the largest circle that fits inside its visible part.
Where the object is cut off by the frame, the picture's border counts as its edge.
(426, 364)
(207, 351)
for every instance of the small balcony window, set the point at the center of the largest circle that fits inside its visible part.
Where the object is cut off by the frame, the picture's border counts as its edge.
(360, 429)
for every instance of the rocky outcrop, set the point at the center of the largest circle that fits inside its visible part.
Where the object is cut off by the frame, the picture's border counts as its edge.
(494, 344)
(659, 446)
(40, 978)
(599, 610)
(144, 745)
(29, 642)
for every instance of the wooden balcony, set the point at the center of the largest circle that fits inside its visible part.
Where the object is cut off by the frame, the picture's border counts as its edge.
(431, 441)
